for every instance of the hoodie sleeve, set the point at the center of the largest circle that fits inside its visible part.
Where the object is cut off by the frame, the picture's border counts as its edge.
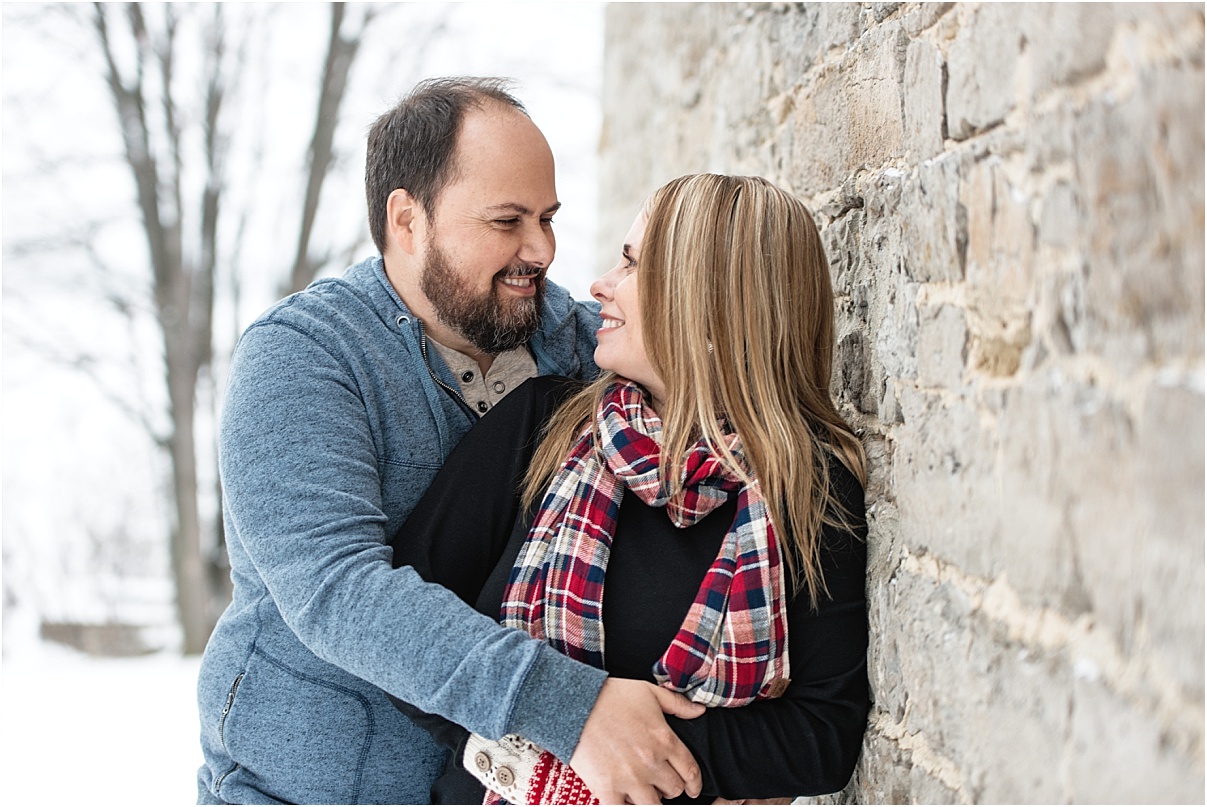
(303, 491)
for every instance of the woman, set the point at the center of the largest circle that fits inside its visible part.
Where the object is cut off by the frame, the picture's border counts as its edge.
(714, 410)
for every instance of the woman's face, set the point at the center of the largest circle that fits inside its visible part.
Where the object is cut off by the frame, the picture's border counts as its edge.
(621, 346)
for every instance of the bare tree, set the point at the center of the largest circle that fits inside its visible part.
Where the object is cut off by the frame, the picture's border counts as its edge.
(182, 280)
(172, 72)
(182, 233)
(341, 52)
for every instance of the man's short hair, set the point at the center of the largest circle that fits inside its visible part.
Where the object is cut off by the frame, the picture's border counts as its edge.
(412, 146)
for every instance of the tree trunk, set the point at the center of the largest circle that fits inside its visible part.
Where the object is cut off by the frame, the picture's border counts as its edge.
(156, 116)
(182, 289)
(188, 568)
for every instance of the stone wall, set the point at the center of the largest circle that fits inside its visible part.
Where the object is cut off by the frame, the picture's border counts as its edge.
(1012, 200)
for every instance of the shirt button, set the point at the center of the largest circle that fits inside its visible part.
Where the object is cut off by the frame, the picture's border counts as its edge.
(482, 761)
(505, 776)
(482, 407)
(500, 386)
(467, 376)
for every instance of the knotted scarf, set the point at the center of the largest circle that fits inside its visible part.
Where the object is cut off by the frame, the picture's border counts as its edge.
(733, 646)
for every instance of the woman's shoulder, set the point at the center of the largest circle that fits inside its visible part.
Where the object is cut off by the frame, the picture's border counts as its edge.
(844, 535)
(548, 391)
(845, 487)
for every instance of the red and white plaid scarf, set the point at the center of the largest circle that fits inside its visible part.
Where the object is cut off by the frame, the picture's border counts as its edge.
(733, 646)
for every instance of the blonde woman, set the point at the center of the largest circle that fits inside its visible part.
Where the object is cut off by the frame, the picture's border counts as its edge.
(700, 505)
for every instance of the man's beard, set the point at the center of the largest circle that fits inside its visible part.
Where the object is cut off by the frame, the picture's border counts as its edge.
(490, 324)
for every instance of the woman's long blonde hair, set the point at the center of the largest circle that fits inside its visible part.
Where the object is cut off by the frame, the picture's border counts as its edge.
(737, 313)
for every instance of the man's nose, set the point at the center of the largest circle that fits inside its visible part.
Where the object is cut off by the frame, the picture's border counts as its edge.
(538, 246)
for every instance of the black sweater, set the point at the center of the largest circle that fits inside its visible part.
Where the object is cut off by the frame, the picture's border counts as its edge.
(467, 530)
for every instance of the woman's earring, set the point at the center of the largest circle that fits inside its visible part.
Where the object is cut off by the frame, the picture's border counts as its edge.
(710, 347)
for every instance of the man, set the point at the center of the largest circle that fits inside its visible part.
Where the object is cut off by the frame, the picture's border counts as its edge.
(343, 401)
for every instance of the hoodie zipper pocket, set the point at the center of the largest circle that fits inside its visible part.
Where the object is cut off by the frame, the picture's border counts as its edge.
(230, 701)
(218, 782)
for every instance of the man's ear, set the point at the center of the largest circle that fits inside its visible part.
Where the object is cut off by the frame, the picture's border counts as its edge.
(404, 219)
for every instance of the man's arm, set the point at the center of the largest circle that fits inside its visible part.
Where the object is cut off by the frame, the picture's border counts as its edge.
(301, 476)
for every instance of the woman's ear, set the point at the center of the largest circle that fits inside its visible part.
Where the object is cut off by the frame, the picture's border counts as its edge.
(403, 218)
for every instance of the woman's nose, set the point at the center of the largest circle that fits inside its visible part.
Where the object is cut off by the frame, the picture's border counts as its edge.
(602, 288)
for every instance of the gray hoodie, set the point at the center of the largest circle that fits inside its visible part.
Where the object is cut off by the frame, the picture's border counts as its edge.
(333, 426)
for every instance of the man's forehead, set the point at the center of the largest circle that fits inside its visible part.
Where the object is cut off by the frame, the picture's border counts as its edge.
(502, 165)
(494, 126)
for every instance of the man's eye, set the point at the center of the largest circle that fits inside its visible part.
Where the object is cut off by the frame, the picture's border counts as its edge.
(546, 222)
(507, 222)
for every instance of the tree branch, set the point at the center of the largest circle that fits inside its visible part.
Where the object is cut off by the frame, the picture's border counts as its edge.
(341, 53)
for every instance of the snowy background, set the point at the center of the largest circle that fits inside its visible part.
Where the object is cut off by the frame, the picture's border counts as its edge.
(84, 510)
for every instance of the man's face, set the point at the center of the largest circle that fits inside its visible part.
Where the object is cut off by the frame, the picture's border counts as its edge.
(490, 321)
(489, 241)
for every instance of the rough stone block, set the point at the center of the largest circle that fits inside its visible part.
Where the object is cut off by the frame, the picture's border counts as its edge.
(1061, 216)
(1058, 318)
(854, 374)
(841, 241)
(1001, 257)
(1091, 436)
(1038, 552)
(1001, 238)
(925, 121)
(935, 235)
(815, 134)
(876, 121)
(830, 25)
(1049, 140)
(1171, 544)
(942, 346)
(938, 618)
(890, 407)
(1066, 42)
(920, 16)
(881, 230)
(897, 332)
(1027, 713)
(1011, 697)
(982, 64)
(945, 480)
(1066, 293)
(1144, 250)
(1118, 754)
(850, 114)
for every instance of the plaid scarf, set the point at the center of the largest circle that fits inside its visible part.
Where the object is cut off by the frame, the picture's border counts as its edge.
(733, 646)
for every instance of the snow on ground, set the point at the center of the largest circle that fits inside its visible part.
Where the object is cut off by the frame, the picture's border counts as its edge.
(84, 730)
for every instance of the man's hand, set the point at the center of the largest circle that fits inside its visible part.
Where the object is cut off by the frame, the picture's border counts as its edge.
(628, 754)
